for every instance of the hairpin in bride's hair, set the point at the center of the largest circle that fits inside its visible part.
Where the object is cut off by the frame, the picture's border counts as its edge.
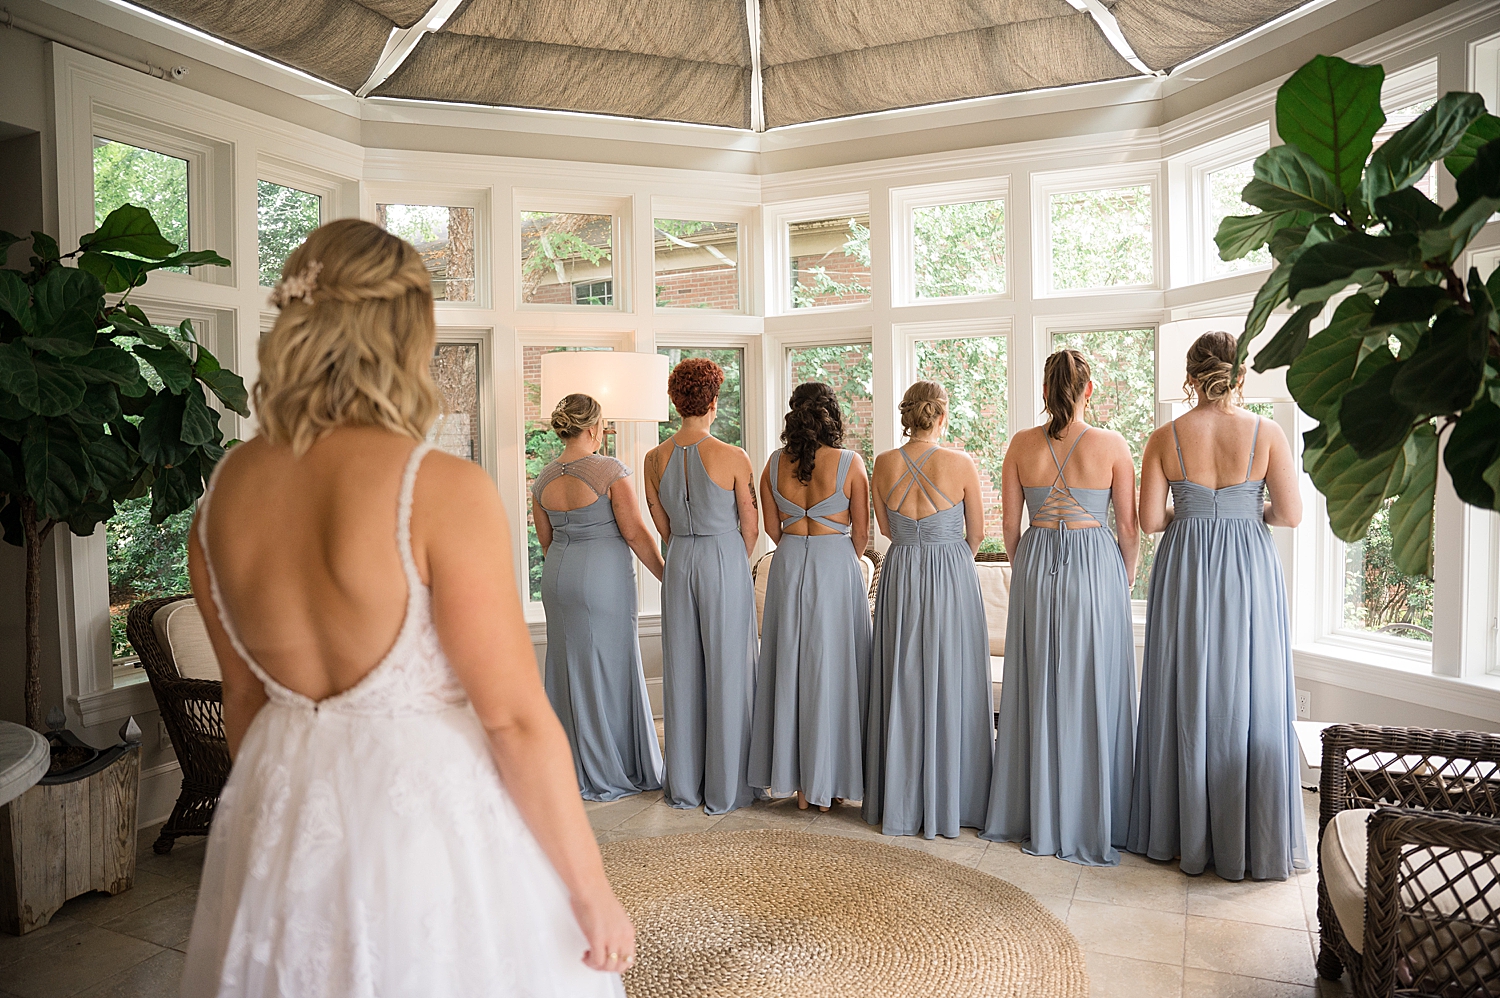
(300, 285)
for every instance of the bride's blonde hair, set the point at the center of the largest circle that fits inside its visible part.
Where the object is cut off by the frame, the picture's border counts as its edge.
(354, 340)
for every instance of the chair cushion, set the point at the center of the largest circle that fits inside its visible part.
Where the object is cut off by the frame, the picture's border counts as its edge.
(994, 587)
(179, 628)
(1342, 862)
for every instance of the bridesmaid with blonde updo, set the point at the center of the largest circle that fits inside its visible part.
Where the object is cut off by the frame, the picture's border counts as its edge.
(588, 523)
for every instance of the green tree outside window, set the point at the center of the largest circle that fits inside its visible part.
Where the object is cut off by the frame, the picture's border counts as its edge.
(959, 249)
(284, 217)
(974, 372)
(728, 425)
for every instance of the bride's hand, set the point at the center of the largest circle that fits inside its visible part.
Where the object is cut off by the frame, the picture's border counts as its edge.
(610, 934)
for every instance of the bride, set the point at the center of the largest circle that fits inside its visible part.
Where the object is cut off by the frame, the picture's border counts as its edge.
(402, 817)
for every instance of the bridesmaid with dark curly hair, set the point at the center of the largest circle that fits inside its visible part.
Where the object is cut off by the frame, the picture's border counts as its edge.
(815, 637)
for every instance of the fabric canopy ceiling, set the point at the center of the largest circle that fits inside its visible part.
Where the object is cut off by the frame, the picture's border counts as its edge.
(698, 61)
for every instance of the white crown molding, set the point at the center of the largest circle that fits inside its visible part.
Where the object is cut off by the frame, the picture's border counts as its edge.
(481, 170)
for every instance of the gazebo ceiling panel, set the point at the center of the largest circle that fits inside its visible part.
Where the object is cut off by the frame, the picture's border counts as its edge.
(470, 68)
(1167, 33)
(693, 30)
(336, 40)
(1006, 58)
(403, 13)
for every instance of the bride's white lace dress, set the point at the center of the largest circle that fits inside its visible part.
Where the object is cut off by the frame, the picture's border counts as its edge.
(365, 846)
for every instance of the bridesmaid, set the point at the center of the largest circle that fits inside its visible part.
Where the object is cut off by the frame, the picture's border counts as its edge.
(587, 522)
(927, 750)
(815, 637)
(1067, 706)
(701, 493)
(1216, 757)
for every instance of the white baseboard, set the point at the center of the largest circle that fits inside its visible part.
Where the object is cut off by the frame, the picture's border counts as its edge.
(160, 786)
(653, 696)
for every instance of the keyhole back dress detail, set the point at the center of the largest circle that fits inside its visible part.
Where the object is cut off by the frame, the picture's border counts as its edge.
(364, 844)
(814, 656)
(708, 640)
(593, 670)
(930, 733)
(1216, 778)
(1063, 757)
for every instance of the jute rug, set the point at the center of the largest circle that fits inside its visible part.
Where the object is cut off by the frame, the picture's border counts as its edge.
(769, 913)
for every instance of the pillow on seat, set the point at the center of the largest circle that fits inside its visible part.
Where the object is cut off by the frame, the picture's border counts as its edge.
(761, 574)
(179, 628)
(994, 587)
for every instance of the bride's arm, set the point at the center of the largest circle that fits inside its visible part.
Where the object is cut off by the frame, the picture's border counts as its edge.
(460, 533)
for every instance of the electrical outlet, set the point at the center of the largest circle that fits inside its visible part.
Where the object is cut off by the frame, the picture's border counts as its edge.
(1304, 705)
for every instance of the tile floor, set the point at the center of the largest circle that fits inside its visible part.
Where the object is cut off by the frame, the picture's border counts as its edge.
(1145, 928)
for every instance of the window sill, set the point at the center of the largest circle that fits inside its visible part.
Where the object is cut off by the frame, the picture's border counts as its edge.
(131, 697)
(1399, 679)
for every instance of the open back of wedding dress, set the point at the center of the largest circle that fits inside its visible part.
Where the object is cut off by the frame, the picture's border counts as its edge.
(365, 846)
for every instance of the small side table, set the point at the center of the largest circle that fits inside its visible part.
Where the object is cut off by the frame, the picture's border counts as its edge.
(24, 758)
(1310, 740)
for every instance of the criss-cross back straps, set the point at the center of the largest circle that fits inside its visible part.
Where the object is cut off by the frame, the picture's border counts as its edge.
(818, 511)
(1061, 506)
(1249, 466)
(915, 477)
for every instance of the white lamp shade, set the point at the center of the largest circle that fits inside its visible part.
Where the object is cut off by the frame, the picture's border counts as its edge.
(627, 386)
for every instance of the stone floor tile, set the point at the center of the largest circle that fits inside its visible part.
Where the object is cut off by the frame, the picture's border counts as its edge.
(15, 948)
(965, 853)
(1121, 977)
(604, 816)
(155, 977)
(1133, 887)
(1033, 874)
(1249, 950)
(1137, 933)
(660, 819)
(184, 863)
(847, 821)
(1267, 902)
(167, 922)
(1208, 984)
(767, 816)
(98, 908)
(1058, 906)
(81, 960)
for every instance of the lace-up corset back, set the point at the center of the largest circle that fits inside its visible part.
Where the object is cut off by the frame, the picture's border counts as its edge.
(414, 676)
(945, 526)
(820, 511)
(695, 504)
(1062, 505)
(1240, 501)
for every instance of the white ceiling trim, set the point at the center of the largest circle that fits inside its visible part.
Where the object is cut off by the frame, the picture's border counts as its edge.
(757, 94)
(1111, 30)
(403, 41)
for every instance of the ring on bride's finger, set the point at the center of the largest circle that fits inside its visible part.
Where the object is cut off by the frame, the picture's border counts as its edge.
(614, 956)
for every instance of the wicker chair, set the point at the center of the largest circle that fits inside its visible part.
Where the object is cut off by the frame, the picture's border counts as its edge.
(1432, 887)
(991, 556)
(193, 710)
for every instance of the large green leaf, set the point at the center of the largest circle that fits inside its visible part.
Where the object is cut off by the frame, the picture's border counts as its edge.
(1408, 210)
(129, 229)
(100, 404)
(1324, 371)
(1410, 304)
(1411, 513)
(70, 334)
(56, 468)
(1482, 178)
(64, 289)
(109, 364)
(1330, 109)
(224, 383)
(161, 431)
(15, 299)
(114, 463)
(59, 388)
(1370, 419)
(44, 248)
(1271, 294)
(1289, 339)
(1287, 241)
(1240, 235)
(1473, 446)
(200, 424)
(1288, 179)
(1404, 158)
(176, 489)
(194, 258)
(1327, 268)
(7, 240)
(1484, 130)
(1447, 369)
(119, 273)
(127, 325)
(1355, 487)
(171, 364)
(18, 374)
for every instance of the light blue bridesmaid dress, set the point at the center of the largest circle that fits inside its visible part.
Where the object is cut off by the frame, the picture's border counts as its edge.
(931, 729)
(1216, 756)
(708, 641)
(814, 657)
(1067, 706)
(593, 669)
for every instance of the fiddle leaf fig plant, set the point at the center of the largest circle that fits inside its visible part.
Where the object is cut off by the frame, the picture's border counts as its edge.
(1407, 366)
(97, 403)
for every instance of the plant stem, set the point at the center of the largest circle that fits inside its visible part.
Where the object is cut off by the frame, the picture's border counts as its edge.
(34, 541)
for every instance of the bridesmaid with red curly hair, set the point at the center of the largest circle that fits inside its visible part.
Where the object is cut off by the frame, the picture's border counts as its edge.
(701, 493)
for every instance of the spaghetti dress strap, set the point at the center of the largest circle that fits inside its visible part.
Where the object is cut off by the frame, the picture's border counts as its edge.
(1253, 441)
(1181, 465)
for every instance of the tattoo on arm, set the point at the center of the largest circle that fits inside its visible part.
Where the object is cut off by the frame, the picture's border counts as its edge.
(754, 502)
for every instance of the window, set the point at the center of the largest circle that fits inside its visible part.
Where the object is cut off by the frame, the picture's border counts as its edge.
(830, 261)
(283, 218)
(1101, 238)
(542, 446)
(1223, 199)
(594, 293)
(125, 173)
(974, 370)
(1378, 599)
(959, 249)
(445, 238)
(849, 369)
(455, 368)
(728, 424)
(1123, 364)
(697, 264)
(562, 250)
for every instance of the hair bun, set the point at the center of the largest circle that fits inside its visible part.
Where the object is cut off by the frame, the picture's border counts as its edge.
(1210, 366)
(574, 414)
(922, 407)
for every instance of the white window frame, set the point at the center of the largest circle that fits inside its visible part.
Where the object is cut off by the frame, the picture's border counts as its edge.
(780, 217)
(1192, 231)
(477, 198)
(484, 339)
(742, 215)
(569, 203)
(904, 203)
(1094, 178)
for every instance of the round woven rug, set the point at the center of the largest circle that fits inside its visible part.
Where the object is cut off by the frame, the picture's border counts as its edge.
(770, 913)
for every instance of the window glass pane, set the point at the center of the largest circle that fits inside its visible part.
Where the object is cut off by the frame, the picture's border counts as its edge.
(959, 249)
(849, 369)
(1123, 363)
(830, 261)
(127, 174)
(283, 219)
(542, 446)
(1378, 599)
(567, 258)
(1399, 119)
(455, 368)
(1101, 239)
(974, 372)
(445, 238)
(1224, 188)
(1263, 409)
(728, 425)
(697, 264)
